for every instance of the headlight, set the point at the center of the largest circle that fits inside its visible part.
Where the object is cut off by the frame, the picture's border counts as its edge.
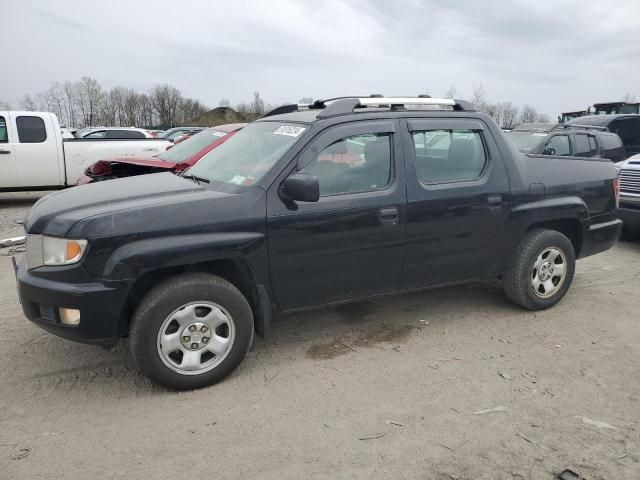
(44, 250)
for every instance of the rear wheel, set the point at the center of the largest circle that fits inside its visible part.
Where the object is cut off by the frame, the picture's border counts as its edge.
(541, 270)
(191, 330)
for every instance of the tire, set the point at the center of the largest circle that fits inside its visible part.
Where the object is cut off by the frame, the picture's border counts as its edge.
(168, 334)
(535, 262)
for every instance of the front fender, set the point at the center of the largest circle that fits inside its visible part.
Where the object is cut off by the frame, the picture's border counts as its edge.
(133, 260)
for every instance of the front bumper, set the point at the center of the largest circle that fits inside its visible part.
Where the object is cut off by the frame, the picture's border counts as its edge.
(600, 237)
(630, 215)
(100, 304)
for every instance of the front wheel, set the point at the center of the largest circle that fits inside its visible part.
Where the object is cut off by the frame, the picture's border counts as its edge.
(190, 331)
(541, 270)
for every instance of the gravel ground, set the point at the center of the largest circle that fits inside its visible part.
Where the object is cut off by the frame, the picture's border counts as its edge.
(392, 388)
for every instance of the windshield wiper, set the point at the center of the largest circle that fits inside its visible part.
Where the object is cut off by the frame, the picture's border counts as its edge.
(196, 179)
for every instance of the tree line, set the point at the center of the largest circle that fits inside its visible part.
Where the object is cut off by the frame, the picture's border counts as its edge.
(505, 114)
(84, 103)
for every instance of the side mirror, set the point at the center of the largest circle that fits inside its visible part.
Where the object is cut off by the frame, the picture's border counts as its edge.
(549, 151)
(301, 187)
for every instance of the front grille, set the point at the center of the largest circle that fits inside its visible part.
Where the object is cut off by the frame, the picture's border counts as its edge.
(630, 181)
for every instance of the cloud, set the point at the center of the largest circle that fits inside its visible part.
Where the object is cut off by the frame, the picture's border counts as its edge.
(558, 56)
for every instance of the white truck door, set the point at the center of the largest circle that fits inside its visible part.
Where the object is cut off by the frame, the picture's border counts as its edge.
(37, 149)
(8, 173)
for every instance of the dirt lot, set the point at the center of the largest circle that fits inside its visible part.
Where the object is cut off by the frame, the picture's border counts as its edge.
(384, 389)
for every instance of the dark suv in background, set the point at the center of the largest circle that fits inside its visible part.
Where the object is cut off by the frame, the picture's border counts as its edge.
(627, 127)
(567, 141)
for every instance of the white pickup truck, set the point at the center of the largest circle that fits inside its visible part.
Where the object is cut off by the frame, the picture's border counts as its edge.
(34, 155)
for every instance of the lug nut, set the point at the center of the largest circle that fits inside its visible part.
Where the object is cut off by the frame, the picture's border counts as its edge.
(186, 338)
(204, 329)
(192, 328)
(194, 345)
(205, 339)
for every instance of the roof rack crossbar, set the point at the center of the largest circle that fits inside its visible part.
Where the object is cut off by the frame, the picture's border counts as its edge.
(586, 127)
(344, 105)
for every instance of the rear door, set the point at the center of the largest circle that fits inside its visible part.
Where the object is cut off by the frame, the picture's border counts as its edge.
(458, 201)
(8, 172)
(36, 151)
(585, 145)
(350, 243)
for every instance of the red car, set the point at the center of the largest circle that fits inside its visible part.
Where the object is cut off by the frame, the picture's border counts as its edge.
(176, 158)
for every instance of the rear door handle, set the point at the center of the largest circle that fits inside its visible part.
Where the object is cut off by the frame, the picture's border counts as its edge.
(494, 201)
(4, 152)
(389, 215)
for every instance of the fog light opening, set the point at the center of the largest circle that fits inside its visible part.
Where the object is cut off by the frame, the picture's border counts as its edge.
(69, 316)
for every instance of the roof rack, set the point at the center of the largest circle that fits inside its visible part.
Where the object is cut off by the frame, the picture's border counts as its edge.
(586, 127)
(344, 105)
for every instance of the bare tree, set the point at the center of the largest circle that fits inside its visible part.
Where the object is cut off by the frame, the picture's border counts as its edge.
(28, 103)
(543, 118)
(90, 96)
(224, 102)
(629, 98)
(257, 106)
(528, 114)
(509, 115)
(70, 95)
(164, 101)
(479, 97)
(451, 92)
(306, 100)
(4, 105)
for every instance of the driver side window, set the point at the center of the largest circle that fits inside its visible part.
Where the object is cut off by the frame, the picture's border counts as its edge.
(360, 163)
(560, 146)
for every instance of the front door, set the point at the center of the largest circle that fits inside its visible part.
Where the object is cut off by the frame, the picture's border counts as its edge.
(457, 201)
(350, 243)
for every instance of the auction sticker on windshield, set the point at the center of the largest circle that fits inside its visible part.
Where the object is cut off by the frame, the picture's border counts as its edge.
(289, 131)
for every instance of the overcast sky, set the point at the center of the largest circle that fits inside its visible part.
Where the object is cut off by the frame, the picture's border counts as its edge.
(558, 55)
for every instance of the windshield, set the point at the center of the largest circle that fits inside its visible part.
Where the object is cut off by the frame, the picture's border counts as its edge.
(249, 154)
(187, 149)
(526, 141)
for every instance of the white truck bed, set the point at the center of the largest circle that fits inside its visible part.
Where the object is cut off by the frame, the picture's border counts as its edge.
(33, 154)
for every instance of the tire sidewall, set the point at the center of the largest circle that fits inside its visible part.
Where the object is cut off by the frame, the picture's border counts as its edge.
(551, 240)
(171, 295)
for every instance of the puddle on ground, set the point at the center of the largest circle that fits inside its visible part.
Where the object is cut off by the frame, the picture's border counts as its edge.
(367, 339)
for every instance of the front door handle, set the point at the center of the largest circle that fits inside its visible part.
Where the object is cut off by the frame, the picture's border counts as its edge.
(4, 152)
(494, 201)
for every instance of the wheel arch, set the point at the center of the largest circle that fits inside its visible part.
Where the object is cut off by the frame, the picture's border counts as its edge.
(236, 271)
(569, 227)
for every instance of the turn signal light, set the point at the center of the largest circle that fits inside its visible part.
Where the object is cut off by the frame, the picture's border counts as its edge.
(616, 191)
(74, 251)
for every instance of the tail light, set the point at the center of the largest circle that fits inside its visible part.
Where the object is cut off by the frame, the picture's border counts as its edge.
(100, 168)
(616, 191)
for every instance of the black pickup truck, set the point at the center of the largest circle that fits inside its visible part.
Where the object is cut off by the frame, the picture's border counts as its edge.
(338, 201)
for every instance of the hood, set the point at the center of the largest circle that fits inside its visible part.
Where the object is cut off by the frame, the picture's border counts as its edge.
(56, 213)
(145, 162)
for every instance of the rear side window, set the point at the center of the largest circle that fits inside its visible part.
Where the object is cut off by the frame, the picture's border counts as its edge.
(585, 146)
(31, 129)
(123, 134)
(4, 137)
(444, 156)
